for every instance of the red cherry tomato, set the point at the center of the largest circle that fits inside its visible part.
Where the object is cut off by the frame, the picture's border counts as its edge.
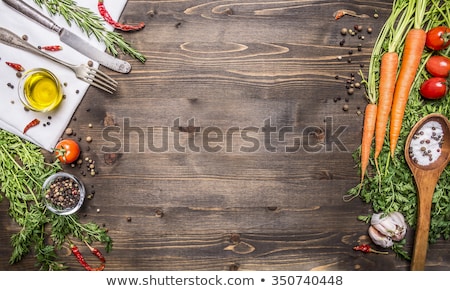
(434, 88)
(438, 66)
(438, 38)
(67, 151)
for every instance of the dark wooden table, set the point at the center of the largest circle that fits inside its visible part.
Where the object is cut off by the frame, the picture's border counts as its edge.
(234, 141)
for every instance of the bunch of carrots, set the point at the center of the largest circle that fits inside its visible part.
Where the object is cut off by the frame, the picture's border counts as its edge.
(393, 68)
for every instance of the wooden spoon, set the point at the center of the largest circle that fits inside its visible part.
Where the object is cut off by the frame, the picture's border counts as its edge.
(426, 177)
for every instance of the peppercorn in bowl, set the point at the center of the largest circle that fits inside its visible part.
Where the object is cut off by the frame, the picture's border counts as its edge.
(63, 193)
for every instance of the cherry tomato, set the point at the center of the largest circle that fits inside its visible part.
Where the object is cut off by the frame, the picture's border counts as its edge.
(434, 88)
(438, 66)
(67, 151)
(438, 38)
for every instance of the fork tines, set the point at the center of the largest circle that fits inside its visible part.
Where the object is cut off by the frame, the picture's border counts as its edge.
(100, 80)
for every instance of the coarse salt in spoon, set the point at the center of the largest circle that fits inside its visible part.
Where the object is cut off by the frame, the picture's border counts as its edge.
(427, 152)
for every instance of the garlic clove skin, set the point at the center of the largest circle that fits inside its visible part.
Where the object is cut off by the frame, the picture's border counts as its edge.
(380, 239)
(392, 225)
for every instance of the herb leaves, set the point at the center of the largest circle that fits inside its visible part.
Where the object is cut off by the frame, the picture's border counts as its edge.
(23, 170)
(92, 24)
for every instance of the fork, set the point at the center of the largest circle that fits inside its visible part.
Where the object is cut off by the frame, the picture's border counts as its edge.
(83, 72)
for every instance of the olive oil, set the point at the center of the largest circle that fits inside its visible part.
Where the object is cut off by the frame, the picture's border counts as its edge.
(41, 90)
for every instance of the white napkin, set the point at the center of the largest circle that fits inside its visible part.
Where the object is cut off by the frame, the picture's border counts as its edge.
(13, 117)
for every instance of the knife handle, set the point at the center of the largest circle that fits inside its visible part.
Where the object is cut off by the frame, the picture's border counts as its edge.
(34, 14)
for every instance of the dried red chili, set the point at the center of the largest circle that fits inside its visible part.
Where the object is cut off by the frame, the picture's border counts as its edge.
(76, 252)
(340, 13)
(17, 67)
(31, 124)
(52, 48)
(96, 253)
(121, 26)
(365, 248)
(80, 258)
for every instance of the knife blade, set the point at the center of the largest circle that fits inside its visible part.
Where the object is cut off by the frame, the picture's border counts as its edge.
(71, 38)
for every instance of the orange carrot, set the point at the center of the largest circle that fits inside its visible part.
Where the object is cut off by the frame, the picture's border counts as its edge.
(386, 69)
(388, 76)
(412, 53)
(370, 116)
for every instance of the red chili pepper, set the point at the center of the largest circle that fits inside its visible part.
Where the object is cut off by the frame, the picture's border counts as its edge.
(76, 252)
(367, 249)
(340, 13)
(32, 123)
(80, 258)
(17, 67)
(96, 253)
(121, 26)
(52, 48)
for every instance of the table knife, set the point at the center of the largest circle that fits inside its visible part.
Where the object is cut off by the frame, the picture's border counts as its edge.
(70, 38)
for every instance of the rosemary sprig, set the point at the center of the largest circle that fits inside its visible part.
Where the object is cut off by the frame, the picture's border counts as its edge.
(23, 170)
(91, 24)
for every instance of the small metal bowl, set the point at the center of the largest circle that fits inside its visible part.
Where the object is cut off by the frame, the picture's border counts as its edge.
(63, 193)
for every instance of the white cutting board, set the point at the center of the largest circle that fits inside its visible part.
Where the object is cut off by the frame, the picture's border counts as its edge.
(13, 117)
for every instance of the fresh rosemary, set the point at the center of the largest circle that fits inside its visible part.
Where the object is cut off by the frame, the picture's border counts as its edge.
(23, 170)
(91, 24)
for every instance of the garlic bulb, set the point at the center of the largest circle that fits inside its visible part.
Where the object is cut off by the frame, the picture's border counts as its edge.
(379, 239)
(385, 229)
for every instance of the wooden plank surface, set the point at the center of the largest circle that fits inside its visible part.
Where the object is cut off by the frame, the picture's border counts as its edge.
(232, 148)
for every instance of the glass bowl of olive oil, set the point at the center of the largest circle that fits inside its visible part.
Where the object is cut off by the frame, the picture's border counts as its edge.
(40, 90)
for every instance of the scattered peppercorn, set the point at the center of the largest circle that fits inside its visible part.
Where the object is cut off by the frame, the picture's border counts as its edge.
(69, 131)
